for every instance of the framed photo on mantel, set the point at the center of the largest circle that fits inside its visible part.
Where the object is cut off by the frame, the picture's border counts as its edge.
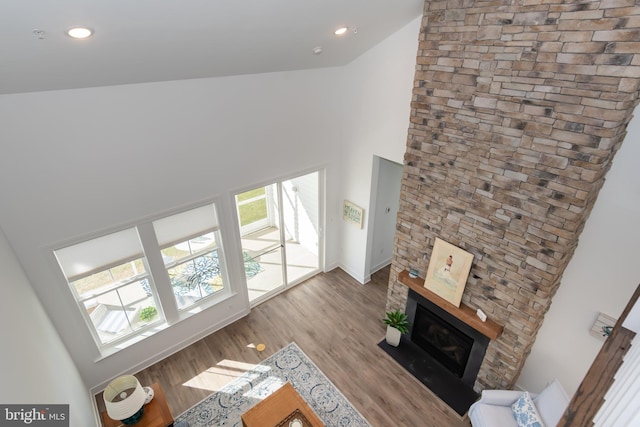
(448, 271)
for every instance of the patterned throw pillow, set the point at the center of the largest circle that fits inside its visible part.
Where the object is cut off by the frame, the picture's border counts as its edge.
(525, 412)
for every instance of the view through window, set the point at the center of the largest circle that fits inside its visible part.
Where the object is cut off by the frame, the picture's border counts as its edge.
(279, 228)
(116, 289)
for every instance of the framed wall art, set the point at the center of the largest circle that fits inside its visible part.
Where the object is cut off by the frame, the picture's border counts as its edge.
(352, 213)
(448, 271)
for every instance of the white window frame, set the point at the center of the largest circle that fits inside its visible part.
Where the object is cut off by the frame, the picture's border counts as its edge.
(156, 274)
(198, 254)
(269, 198)
(117, 286)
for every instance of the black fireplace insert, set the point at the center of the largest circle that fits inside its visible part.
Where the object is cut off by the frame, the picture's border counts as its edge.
(444, 342)
(458, 347)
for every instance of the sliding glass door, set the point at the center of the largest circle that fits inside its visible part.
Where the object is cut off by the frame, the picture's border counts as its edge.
(280, 234)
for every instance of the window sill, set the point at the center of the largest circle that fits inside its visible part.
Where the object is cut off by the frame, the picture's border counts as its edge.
(110, 350)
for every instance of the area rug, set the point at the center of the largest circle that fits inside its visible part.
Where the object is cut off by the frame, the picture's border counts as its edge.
(224, 408)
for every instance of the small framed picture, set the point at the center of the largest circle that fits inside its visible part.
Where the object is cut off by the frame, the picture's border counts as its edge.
(352, 213)
(448, 271)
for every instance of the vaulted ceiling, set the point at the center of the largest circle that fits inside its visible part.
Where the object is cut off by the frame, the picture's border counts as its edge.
(136, 41)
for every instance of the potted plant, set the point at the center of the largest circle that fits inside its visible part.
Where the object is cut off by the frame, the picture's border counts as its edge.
(148, 313)
(397, 324)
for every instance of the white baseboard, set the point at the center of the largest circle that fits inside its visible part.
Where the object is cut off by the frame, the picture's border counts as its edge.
(380, 266)
(359, 277)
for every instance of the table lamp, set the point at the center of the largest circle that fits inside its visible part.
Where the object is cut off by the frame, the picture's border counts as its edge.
(124, 399)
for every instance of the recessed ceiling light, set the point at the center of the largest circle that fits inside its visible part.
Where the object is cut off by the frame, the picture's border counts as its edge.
(79, 32)
(340, 31)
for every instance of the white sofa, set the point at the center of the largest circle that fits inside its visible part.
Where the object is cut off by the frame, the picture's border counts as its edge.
(494, 407)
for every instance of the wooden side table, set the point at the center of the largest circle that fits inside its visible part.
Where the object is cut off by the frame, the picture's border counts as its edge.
(156, 413)
(275, 408)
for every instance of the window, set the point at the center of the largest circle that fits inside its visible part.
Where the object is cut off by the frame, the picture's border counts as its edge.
(254, 209)
(279, 230)
(109, 279)
(191, 254)
(117, 290)
(194, 269)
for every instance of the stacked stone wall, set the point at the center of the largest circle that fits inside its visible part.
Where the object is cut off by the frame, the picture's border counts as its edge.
(518, 109)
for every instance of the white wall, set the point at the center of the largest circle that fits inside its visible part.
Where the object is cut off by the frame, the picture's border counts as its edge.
(377, 105)
(80, 162)
(601, 277)
(42, 371)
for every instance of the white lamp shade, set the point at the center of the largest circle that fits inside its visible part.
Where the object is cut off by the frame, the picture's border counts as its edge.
(124, 397)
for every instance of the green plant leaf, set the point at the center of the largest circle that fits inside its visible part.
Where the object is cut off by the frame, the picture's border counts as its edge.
(148, 313)
(397, 319)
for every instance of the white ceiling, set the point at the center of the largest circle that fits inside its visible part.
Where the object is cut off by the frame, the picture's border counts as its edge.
(139, 41)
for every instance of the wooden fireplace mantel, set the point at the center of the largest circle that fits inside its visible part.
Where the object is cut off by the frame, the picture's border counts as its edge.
(465, 313)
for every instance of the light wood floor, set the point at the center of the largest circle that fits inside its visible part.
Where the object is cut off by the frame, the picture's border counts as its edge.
(337, 323)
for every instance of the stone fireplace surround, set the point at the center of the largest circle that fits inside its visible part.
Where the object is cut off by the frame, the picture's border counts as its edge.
(518, 108)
